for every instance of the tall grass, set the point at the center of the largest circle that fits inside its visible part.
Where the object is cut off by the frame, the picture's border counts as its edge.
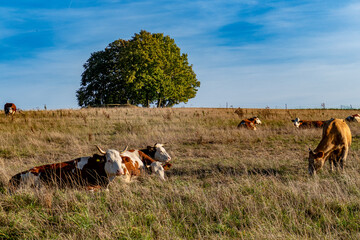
(226, 183)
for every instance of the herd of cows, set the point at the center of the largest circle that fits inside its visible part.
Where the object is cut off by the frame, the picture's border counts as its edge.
(98, 171)
(333, 147)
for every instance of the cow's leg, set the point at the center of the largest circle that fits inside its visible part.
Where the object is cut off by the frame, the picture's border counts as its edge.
(331, 162)
(343, 157)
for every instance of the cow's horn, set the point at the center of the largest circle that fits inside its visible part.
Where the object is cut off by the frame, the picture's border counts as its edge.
(100, 150)
(124, 149)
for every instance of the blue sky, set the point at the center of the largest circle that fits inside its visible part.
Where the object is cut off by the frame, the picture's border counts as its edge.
(245, 53)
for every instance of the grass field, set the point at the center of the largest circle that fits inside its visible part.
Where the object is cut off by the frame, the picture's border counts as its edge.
(225, 183)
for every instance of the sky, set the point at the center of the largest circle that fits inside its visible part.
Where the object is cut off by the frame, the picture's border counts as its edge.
(245, 53)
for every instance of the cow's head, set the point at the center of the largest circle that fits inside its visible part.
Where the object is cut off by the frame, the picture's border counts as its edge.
(160, 153)
(113, 164)
(257, 120)
(316, 161)
(296, 122)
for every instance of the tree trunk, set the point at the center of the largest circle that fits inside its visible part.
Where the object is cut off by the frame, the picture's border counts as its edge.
(159, 103)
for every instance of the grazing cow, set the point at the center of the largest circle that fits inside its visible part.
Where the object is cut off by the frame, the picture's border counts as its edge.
(334, 146)
(91, 172)
(250, 123)
(9, 108)
(307, 124)
(353, 118)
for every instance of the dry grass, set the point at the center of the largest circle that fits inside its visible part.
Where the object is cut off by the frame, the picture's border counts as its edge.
(225, 182)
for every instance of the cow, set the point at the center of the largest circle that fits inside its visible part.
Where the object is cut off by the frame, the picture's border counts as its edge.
(93, 172)
(334, 146)
(353, 118)
(157, 152)
(307, 124)
(155, 159)
(9, 109)
(250, 123)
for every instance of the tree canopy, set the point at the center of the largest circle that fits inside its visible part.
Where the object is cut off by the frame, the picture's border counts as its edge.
(147, 69)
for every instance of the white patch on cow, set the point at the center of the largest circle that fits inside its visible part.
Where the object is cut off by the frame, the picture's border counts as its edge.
(158, 169)
(161, 154)
(134, 157)
(113, 165)
(296, 122)
(80, 164)
(257, 121)
(30, 178)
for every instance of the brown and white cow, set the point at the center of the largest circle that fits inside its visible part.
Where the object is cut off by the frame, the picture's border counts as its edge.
(154, 159)
(307, 124)
(334, 146)
(353, 118)
(157, 152)
(9, 109)
(250, 123)
(92, 172)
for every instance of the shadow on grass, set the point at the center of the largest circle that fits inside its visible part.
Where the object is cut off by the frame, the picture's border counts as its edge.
(217, 169)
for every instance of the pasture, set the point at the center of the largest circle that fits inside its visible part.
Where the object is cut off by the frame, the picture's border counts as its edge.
(225, 182)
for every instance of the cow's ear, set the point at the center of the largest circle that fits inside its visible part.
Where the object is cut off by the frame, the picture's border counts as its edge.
(293, 120)
(149, 147)
(320, 155)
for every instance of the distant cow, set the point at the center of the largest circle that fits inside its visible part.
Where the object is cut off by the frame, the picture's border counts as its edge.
(250, 123)
(334, 146)
(9, 109)
(353, 118)
(307, 124)
(92, 172)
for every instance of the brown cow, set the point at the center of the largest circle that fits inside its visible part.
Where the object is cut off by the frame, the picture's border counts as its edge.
(250, 123)
(307, 124)
(334, 145)
(9, 108)
(91, 172)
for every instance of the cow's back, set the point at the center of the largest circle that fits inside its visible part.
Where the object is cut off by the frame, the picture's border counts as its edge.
(337, 131)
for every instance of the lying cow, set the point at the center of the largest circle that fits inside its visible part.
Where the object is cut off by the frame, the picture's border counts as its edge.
(155, 159)
(9, 109)
(334, 146)
(92, 172)
(307, 124)
(250, 123)
(158, 153)
(353, 118)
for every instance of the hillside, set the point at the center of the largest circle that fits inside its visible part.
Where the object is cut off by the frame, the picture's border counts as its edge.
(225, 183)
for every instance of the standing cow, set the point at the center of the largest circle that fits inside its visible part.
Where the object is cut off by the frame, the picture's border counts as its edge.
(9, 109)
(334, 146)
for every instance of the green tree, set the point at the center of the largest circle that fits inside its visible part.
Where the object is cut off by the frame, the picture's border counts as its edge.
(148, 69)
